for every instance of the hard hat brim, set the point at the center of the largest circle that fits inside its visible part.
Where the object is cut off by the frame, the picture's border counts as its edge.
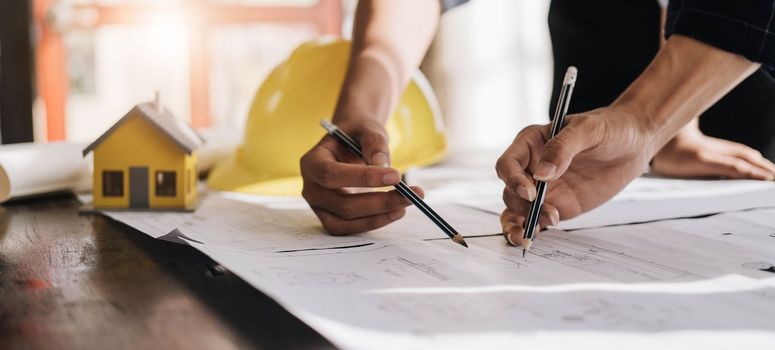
(229, 175)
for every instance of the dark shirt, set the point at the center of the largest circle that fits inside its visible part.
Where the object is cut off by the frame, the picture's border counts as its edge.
(744, 27)
(612, 41)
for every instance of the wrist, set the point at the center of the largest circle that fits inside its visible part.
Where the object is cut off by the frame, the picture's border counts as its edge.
(689, 131)
(647, 128)
(685, 78)
(354, 116)
(656, 101)
(369, 90)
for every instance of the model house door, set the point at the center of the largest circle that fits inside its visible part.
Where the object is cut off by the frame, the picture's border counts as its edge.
(138, 187)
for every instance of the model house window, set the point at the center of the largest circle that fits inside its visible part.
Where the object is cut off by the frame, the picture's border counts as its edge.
(165, 183)
(113, 183)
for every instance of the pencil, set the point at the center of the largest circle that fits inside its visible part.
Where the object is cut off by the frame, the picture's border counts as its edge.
(401, 186)
(558, 122)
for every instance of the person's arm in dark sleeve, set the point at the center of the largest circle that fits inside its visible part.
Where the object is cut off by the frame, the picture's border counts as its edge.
(743, 27)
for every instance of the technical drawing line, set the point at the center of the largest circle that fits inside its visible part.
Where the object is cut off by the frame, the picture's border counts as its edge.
(426, 269)
(326, 248)
(650, 262)
(467, 236)
(701, 216)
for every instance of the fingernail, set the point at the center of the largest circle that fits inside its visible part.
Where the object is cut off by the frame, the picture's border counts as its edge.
(522, 192)
(509, 235)
(508, 239)
(545, 171)
(380, 159)
(512, 241)
(555, 218)
(771, 177)
(391, 178)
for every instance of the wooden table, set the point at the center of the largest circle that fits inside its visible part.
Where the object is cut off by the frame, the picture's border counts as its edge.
(69, 281)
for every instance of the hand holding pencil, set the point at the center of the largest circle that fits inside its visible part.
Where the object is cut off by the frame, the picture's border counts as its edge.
(330, 171)
(591, 159)
(355, 148)
(558, 122)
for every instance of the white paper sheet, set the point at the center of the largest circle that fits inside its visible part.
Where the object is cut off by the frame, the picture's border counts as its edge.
(683, 283)
(278, 223)
(645, 199)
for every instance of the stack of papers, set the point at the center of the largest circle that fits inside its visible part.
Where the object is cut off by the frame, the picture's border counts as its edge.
(706, 281)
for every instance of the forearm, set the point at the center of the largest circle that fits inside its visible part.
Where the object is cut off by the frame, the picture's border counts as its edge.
(685, 78)
(390, 38)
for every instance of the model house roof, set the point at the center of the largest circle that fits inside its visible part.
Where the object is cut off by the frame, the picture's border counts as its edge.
(179, 131)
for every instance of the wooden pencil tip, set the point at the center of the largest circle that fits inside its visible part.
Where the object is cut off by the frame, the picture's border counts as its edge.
(458, 238)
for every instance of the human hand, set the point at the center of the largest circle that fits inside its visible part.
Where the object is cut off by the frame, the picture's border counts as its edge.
(593, 157)
(334, 179)
(692, 154)
(611, 146)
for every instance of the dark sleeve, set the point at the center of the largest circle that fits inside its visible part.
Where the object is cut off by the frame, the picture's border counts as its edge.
(449, 4)
(744, 27)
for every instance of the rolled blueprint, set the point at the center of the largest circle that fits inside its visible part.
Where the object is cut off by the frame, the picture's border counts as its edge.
(29, 169)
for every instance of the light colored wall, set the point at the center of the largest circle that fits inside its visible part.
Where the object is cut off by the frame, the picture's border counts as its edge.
(491, 68)
(123, 65)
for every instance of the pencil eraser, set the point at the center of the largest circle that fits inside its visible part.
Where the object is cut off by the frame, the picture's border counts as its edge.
(570, 75)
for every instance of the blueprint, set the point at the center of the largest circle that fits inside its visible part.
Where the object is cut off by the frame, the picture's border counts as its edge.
(646, 199)
(706, 281)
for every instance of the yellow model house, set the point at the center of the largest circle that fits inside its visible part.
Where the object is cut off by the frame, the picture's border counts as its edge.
(147, 160)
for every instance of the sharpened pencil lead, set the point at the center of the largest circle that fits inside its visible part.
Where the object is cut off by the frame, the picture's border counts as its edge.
(523, 252)
(458, 238)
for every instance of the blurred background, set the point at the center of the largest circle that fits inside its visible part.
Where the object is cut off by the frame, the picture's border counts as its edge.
(70, 68)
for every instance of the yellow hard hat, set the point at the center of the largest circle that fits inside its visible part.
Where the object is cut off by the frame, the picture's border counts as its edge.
(283, 123)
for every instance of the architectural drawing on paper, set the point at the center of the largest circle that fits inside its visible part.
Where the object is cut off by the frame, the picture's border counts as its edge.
(298, 277)
(602, 261)
(400, 265)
